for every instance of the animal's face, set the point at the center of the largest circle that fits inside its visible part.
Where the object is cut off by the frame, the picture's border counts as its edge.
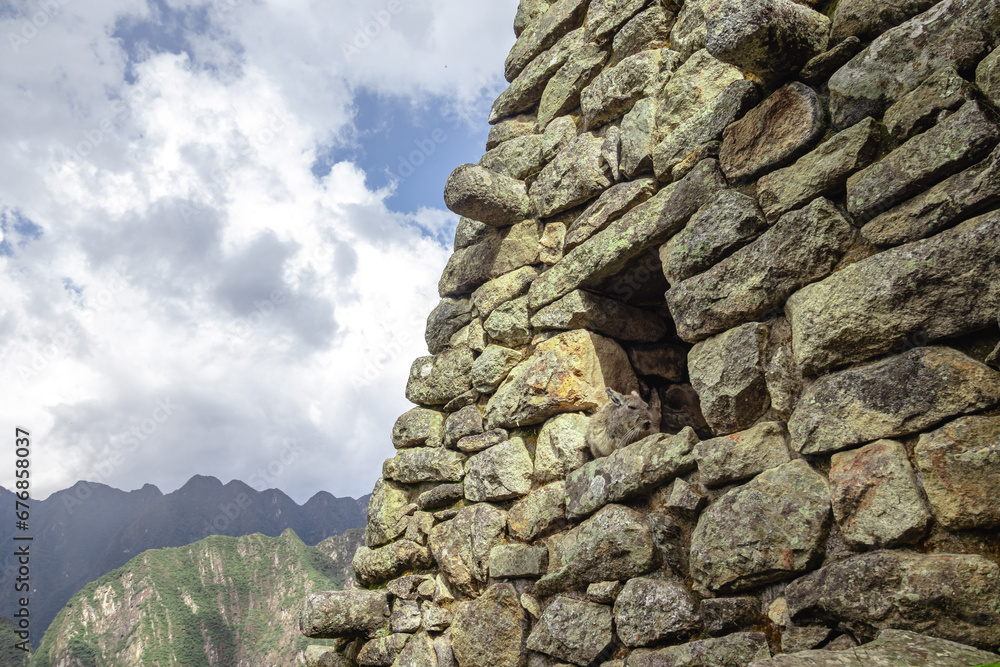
(632, 410)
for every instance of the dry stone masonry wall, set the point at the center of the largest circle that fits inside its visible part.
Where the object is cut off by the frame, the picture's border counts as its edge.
(779, 223)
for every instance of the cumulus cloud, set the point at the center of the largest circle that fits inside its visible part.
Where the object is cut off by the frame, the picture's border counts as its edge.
(184, 292)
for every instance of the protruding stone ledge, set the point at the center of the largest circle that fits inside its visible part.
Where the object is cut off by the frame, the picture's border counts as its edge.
(333, 614)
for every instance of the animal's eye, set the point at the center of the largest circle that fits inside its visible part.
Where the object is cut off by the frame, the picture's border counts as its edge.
(632, 407)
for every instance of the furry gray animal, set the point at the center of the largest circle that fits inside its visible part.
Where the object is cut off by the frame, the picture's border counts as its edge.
(619, 422)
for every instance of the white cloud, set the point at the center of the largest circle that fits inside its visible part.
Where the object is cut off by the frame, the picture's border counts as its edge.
(187, 255)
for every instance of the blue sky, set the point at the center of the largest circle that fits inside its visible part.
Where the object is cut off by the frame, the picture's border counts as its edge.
(222, 229)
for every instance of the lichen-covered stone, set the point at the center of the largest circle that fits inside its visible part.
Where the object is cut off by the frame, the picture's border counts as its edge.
(939, 206)
(688, 32)
(955, 33)
(766, 530)
(615, 544)
(693, 85)
(647, 225)
(876, 498)
(728, 222)
(418, 652)
(802, 247)
(575, 175)
(723, 616)
(939, 287)
(951, 596)
(736, 457)
(561, 17)
(920, 109)
(490, 631)
(461, 546)
(510, 323)
(613, 92)
(438, 379)
(499, 473)
(778, 130)
(509, 129)
(562, 92)
(604, 592)
(405, 616)
(386, 513)
(771, 38)
(503, 289)
(638, 136)
(374, 566)
(382, 651)
(449, 316)
(572, 630)
(526, 90)
(736, 650)
(953, 144)
(960, 466)
(424, 464)
(665, 360)
(561, 447)
(492, 366)
(652, 610)
(649, 29)
(418, 426)
(518, 247)
(606, 16)
(467, 421)
(486, 196)
(343, 613)
(902, 394)
(508, 561)
(988, 76)
(584, 310)
(685, 500)
(869, 18)
(470, 266)
(441, 495)
(890, 649)
(822, 172)
(325, 656)
(613, 202)
(629, 471)
(727, 371)
(481, 441)
(535, 515)
(567, 373)
(819, 68)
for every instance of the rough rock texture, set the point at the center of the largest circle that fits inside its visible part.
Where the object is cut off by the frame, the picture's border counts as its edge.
(727, 371)
(726, 615)
(988, 76)
(650, 610)
(735, 650)
(742, 455)
(339, 613)
(561, 17)
(490, 631)
(424, 464)
(387, 510)
(575, 175)
(499, 473)
(572, 630)
(438, 379)
(614, 202)
(374, 566)
(766, 530)
(869, 18)
(486, 196)
(950, 596)
(921, 108)
(461, 546)
(539, 512)
(584, 310)
(880, 401)
(418, 426)
(617, 88)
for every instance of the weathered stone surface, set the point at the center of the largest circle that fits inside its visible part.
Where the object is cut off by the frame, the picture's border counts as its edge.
(937, 207)
(881, 400)
(440, 496)
(470, 266)
(697, 82)
(742, 455)
(681, 407)
(955, 33)
(438, 379)
(804, 638)
(649, 29)
(613, 202)
(467, 421)
(449, 316)
(503, 289)
(553, 243)
(325, 656)
(486, 196)
(629, 471)
(892, 648)
(819, 68)
(442, 647)
(954, 144)
(613, 92)
(723, 616)
(572, 630)
(527, 89)
(575, 175)
(405, 616)
(954, 597)
(539, 512)
(771, 38)
(727, 371)
(706, 125)
(920, 109)
(470, 232)
(435, 618)
(343, 613)
(736, 650)
(638, 135)
(561, 17)
(688, 33)
(584, 310)
(510, 323)
(939, 287)
(604, 592)
(518, 247)
(477, 443)
(649, 224)
(668, 361)
(653, 610)
(512, 128)
(668, 537)
(418, 652)
(614, 544)
(772, 134)
(766, 530)
(461, 546)
(424, 464)
(513, 560)
(960, 464)
(824, 171)
(685, 500)
(802, 247)
(562, 93)
(418, 426)
(386, 513)
(988, 76)
(869, 18)
(562, 447)
(374, 566)
(492, 366)
(405, 587)
(382, 651)
(499, 473)
(567, 373)
(702, 152)
(491, 630)
(876, 498)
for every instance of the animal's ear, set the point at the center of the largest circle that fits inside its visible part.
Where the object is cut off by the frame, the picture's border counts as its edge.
(615, 397)
(635, 393)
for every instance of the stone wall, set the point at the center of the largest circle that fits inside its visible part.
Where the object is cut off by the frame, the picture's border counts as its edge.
(778, 223)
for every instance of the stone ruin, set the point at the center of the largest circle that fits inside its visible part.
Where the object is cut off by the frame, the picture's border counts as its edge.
(779, 222)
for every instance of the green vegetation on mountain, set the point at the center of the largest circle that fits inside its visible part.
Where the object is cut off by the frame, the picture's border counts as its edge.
(220, 601)
(10, 655)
